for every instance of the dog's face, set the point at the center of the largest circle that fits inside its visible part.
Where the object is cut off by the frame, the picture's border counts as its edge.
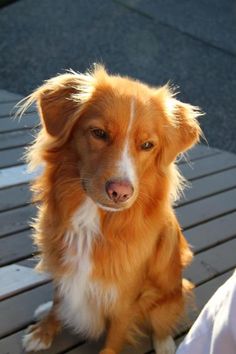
(122, 131)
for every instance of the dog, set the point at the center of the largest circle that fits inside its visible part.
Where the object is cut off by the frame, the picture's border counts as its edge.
(106, 229)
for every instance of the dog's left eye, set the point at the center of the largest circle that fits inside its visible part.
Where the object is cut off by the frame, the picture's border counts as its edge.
(148, 145)
(99, 134)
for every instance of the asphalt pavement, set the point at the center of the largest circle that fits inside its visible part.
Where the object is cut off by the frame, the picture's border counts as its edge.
(190, 43)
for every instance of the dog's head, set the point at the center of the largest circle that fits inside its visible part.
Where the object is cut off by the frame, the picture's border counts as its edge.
(123, 131)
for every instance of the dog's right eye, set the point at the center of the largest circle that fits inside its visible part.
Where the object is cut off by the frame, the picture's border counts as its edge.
(98, 133)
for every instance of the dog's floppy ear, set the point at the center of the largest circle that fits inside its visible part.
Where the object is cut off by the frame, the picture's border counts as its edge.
(61, 99)
(55, 104)
(181, 129)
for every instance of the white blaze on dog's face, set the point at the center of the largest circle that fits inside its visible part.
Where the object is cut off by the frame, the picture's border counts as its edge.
(116, 142)
(124, 132)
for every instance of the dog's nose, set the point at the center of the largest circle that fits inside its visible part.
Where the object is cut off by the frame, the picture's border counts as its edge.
(119, 190)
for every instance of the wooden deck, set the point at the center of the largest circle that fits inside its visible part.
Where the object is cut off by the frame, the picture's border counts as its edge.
(207, 215)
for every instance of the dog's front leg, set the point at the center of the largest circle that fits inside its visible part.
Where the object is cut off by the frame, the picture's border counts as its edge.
(40, 335)
(117, 334)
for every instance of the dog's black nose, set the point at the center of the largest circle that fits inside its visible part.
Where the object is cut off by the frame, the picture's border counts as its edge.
(119, 190)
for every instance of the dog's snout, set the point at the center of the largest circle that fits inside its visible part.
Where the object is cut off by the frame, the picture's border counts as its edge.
(119, 190)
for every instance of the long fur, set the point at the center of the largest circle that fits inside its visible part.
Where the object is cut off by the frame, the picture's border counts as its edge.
(135, 256)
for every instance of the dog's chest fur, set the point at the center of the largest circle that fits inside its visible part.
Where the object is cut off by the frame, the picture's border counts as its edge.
(84, 301)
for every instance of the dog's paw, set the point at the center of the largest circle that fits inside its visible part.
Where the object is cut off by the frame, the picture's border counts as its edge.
(166, 346)
(36, 338)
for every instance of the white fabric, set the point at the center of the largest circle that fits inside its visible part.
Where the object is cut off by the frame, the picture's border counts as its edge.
(214, 331)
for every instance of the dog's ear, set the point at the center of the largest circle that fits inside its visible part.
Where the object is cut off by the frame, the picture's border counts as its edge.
(61, 99)
(181, 129)
(55, 104)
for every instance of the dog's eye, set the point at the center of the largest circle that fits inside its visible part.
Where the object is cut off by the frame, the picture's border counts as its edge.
(98, 133)
(148, 145)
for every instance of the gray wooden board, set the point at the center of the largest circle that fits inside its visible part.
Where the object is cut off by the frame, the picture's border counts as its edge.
(27, 121)
(15, 247)
(14, 196)
(18, 311)
(208, 165)
(205, 291)
(206, 186)
(212, 232)
(212, 262)
(205, 209)
(16, 278)
(12, 157)
(16, 175)
(6, 96)
(10, 108)
(16, 220)
(16, 138)
(13, 344)
(197, 152)
(94, 348)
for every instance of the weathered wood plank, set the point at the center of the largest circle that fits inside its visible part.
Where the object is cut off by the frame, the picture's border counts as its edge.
(10, 108)
(208, 165)
(30, 120)
(13, 343)
(12, 157)
(6, 96)
(18, 311)
(15, 175)
(16, 138)
(198, 152)
(15, 247)
(204, 292)
(16, 219)
(212, 262)
(94, 347)
(212, 232)
(205, 209)
(206, 186)
(14, 196)
(16, 278)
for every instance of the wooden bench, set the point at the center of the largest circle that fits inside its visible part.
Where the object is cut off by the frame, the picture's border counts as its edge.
(207, 214)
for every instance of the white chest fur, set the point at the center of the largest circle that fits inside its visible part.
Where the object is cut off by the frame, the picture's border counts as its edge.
(84, 302)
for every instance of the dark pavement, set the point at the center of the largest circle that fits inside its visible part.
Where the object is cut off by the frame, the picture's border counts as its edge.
(191, 43)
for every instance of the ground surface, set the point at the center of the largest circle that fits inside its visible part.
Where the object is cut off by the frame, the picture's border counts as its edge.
(190, 43)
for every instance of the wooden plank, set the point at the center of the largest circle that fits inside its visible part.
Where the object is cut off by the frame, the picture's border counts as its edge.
(212, 232)
(10, 108)
(12, 157)
(16, 138)
(16, 247)
(209, 185)
(204, 292)
(6, 96)
(206, 209)
(12, 176)
(209, 165)
(94, 347)
(212, 262)
(16, 220)
(18, 311)
(13, 344)
(16, 278)
(198, 152)
(14, 196)
(30, 120)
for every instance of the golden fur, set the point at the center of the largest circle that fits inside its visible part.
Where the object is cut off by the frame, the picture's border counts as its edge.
(142, 250)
